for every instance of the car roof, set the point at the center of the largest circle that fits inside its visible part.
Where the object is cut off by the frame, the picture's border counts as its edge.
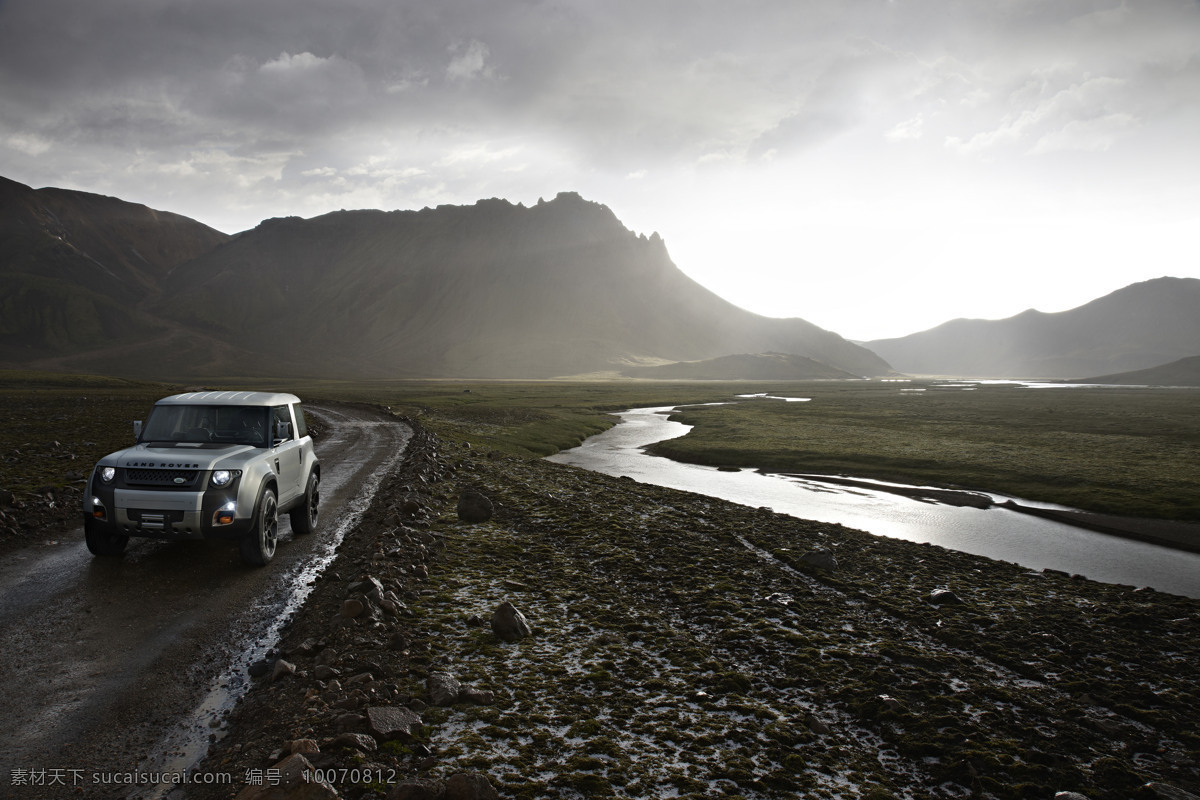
(230, 399)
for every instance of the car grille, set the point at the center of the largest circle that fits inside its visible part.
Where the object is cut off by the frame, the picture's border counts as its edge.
(161, 477)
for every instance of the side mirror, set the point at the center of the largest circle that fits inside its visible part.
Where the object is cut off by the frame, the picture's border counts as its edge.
(282, 431)
(137, 429)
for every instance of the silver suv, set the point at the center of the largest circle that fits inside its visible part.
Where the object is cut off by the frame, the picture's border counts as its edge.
(208, 465)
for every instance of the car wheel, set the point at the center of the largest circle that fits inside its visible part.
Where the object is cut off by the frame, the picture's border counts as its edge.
(258, 548)
(304, 517)
(104, 543)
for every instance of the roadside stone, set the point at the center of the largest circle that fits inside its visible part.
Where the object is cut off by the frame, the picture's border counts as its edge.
(357, 741)
(474, 507)
(479, 697)
(443, 689)
(305, 747)
(470, 786)
(944, 597)
(418, 789)
(368, 586)
(323, 672)
(349, 723)
(509, 624)
(296, 782)
(820, 558)
(1169, 792)
(391, 722)
(352, 608)
(282, 669)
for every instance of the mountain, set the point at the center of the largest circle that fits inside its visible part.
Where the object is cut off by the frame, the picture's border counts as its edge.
(493, 290)
(77, 270)
(1184, 372)
(752, 367)
(1140, 326)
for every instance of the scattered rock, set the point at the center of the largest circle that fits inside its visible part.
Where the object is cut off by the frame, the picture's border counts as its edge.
(820, 558)
(357, 741)
(479, 697)
(443, 689)
(352, 608)
(474, 507)
(391, 722)
(323, 672)
(305, 747)
(297, 781)
(470, 786)
(418, 789)
(944, 597)
(509, 624)
(282, 669)
(1169, 792)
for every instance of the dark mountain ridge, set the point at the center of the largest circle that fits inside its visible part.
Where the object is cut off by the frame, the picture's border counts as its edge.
(1139, 326)
(75, 268)
(493, 290)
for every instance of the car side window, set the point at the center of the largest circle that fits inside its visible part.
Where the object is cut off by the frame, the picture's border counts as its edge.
(301, 422)
(281, 414)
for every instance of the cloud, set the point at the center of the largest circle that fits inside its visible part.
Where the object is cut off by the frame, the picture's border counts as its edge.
(29, 144)
(468, 61)
(301, 62)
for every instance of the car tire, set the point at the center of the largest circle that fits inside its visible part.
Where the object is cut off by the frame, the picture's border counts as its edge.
(304, 516)
(258, 547)
(104, 543)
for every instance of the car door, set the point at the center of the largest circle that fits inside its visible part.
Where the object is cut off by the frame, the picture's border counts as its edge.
(288, 458)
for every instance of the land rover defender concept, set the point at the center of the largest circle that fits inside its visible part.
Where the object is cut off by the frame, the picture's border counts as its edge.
(208, 465)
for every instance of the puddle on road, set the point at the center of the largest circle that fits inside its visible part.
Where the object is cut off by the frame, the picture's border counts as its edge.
(181, 750)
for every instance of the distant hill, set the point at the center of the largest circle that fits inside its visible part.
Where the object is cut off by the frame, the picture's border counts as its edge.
(755, 367)
(1184, 372)
(493, 290)
(78, 271)
(1137, 327)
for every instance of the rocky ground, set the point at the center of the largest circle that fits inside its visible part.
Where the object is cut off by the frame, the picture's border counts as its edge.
(681, 646)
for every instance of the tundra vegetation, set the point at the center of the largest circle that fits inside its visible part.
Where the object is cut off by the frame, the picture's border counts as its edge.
(686, 647)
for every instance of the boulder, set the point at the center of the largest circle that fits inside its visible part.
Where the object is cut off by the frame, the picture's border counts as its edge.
(296, 782)
(820, 558)
(418, 789)
(470, 786)
(357, 741)
(393, 722)
(944, 597)
(509, 624)
(282, 669)
(1167, 792)
(474, 507)
(443, 689)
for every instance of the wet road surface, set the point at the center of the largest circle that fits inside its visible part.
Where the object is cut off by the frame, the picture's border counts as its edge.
(114, 669)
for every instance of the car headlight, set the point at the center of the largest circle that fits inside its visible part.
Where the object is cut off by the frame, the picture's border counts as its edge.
(107, 474)
(223, 477)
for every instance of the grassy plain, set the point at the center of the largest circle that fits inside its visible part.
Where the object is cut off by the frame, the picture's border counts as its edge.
(1125, 451)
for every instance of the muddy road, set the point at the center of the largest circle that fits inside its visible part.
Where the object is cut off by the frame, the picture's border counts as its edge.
(117, 671)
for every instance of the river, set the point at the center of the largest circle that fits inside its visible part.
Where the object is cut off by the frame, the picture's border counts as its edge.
(992, 532)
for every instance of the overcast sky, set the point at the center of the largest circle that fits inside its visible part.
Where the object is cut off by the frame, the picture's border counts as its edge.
(876, 167)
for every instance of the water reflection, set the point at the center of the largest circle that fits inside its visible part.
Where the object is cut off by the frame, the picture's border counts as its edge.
(993, 532)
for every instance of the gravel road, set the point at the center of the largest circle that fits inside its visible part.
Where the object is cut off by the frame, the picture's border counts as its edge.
(114, 669)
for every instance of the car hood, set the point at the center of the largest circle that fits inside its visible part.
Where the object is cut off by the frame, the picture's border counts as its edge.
(175, 456)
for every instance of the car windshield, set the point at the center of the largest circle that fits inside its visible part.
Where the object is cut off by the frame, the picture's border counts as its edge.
(205, 424)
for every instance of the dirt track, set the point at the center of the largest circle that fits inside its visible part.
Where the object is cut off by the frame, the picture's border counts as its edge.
(108, 659)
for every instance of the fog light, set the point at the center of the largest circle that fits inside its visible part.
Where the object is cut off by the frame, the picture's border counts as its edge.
(97, 508)
(225, 514)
